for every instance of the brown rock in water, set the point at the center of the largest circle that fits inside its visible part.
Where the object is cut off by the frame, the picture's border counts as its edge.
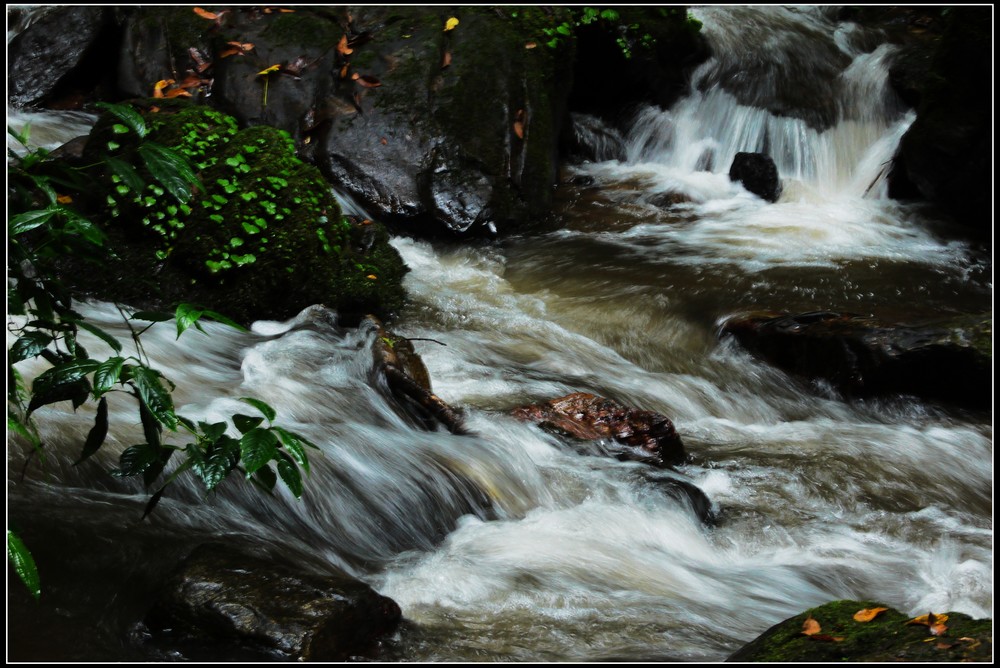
(644, 435)
(221, 593)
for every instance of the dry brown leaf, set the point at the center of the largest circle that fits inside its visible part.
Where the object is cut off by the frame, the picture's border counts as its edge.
(342, 47)
(938, 629)
(199, 60)
(231, 52)
(944, 645)
(446, 59)
(176, 92)
(343, 71)
(192, 81)
(205, 15)
(384, 141)
(530, 45)
(868, 614)
(810, 626)
(930, 619)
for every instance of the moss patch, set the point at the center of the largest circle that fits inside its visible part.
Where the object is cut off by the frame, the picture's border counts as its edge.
(887, 637)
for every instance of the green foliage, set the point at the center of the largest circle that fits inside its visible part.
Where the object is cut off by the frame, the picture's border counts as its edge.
(43, 228)
(629, 35)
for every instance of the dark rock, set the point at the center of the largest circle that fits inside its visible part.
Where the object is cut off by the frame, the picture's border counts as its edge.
(686, 492)
(50, 51)
(886, 638)
(221, 593)
(637, 435)
(591, 139)
(668, 200)
(945, 157)
(948, 360)
(467, 149)
(758, 174)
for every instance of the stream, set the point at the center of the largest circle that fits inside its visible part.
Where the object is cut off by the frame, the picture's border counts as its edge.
(510, 544)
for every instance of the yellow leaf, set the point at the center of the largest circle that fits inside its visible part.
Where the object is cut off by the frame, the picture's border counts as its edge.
(868, 614)
(64, 199)
(450, 24)
(930, 619)
(810, 626)
(371, 277)
(272, 68)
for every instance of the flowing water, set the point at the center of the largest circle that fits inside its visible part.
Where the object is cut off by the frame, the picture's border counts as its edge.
(508, 544)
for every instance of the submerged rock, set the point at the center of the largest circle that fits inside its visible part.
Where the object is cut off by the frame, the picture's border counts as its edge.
(221, 593)
(636, 434)
(758, 174)
(887, 637)
(950, 360)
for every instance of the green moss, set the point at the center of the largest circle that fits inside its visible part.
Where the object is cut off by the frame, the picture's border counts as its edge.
(887, 637)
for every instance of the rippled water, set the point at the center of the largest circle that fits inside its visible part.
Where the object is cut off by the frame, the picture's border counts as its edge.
(509, 544)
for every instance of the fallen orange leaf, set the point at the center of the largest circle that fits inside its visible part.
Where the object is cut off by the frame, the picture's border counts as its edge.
(64, 199)
(342, 47)
(929, 619)
(371, 277)
(810, 626)
(938, 629)
(868, 614)
(366, 80)
(177, 92)
(446, 59)
(204, 14)
(343, 72)
(230, 52)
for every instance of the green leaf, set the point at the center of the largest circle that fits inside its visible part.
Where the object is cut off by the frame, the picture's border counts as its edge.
(78, 226)
(289, 473)
(126, 173)
(29, 345)
(136, 459)
(154, 395)
(151, 428)
(24, 564)
(153, 500)
(16, 426)
(213, 431)
(257, 448)
(263, 407)
(29, 220)
(154, 470)
(293, 444)
(214, 463)
(265, 478)
(127, 115)
(107, 375)
(101, 334)
(564, 30)
(169, 168)
(187, 315)
(245, 423)
(67, 381)
(224, 320)
(95, 439)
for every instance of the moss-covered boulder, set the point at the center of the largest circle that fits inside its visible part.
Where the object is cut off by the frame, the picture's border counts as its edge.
(260, 235)
(833, 634)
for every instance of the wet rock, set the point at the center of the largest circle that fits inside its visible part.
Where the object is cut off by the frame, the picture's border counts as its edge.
(49, 52)
(591, 139)
(886, 638)
(949, 360)
(686, 492)
(758, 174)
(221, 593)
(667, 200)
(945, 157)
(637, 435)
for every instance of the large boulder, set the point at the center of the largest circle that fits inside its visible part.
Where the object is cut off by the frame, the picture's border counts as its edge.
(261, 237)
(949, 360)
(630, 433)
(758, 174)
(226, 595)
(945, 156)
(451, 132)
(834, 634)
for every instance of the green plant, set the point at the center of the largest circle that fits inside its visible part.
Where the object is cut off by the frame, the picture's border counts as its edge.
(43, 228)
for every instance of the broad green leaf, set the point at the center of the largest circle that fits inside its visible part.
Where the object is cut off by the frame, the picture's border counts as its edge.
(29, 220)
(215, 463)
(78, 226)
(265, 478)
(170, 168)
(101, 334)
(24, 564)
(294, 447)
(263, 407)
(213, 431)
(187, 423)
(95, 439)
(16, 426)
(257, 448)
(68, 381)
(287, 436)
(127, 115)
(136, 459)
(29, 345)
(245, 423)
(289, 473)
(153, 500)
(187, 315)
(154, 470)
(126, 173)
(151, 428)
(107, 375)
(154, 395)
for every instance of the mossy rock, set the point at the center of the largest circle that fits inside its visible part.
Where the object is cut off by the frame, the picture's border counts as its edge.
(887, 637)
(261, 236)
